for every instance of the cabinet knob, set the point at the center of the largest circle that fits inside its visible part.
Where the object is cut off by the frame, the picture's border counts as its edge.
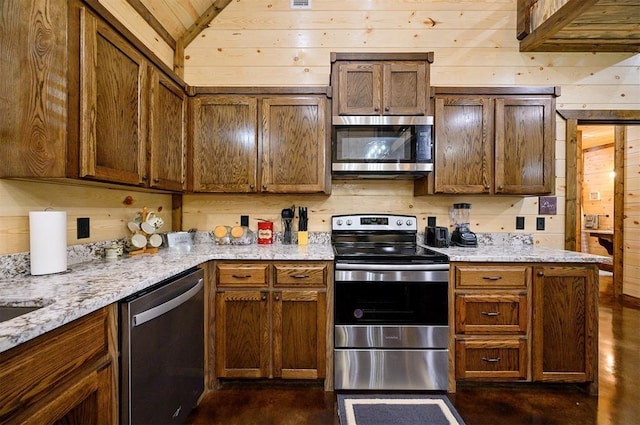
(376, 109)
(145, 177)
(264, 187)
(252, 186)
(487, 187)
(277, 297)
(264, 297)
(500, 187)
(386, 109)
(156, 180)
(540, 274)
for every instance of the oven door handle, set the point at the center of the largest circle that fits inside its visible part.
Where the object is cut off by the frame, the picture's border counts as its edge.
(391, 267)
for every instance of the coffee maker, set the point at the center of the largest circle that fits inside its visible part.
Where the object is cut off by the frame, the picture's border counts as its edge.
(461, 235)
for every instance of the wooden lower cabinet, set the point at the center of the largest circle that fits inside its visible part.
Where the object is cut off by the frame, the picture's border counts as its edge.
(270, 320)
(68, 375)
(565, 331)
(524, 322)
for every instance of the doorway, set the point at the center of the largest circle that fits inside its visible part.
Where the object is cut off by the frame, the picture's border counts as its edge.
(619, 119)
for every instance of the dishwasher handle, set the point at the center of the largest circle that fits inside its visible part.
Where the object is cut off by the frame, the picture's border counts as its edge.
(154, 312)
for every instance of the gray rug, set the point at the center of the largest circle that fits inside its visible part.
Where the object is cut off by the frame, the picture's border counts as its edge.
(409, 409)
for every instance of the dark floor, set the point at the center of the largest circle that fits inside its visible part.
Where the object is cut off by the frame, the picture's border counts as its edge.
(618, 402)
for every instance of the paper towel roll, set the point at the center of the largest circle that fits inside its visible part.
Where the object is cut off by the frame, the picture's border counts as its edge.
(48, 238)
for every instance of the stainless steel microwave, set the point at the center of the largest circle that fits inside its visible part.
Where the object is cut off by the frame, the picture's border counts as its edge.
(382, 146)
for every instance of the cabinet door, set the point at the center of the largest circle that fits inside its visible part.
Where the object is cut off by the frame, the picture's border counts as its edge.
(404, 88)
(525, 140)
(294, 144)
(463, 145)
(112, 105)
(299, 343)
(167, 133)
(225, 144)
(360, 89)
(565, 324)
(242, 334)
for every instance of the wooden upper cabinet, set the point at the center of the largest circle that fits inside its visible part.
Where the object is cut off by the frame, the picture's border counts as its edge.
(380, 83)
(289, 132)
(524, 145)
(112, 105)
(33, 97)
(167, 133)
(494, 143)
(294, 140)
(224, 143)
(464, 147)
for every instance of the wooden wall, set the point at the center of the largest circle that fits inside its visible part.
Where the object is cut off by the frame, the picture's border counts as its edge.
(109, 210)
(632, 213)
(264, 43)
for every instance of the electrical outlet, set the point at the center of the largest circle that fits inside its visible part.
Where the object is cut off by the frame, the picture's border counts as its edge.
(540, 223)
(244, 220)
(431, 221)
(83, 230)
(519, 223)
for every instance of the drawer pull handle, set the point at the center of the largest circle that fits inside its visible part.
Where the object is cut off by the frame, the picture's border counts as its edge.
(494, 360)
(490, 313)
(300, 276)
(492, 277)
(241, 276)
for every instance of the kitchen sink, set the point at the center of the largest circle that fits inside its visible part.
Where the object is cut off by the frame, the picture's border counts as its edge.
(8, 312)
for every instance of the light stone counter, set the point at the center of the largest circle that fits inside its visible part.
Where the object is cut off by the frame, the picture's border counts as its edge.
(92, 285)
(518, 253)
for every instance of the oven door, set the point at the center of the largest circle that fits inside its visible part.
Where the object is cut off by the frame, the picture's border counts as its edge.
(391, 327)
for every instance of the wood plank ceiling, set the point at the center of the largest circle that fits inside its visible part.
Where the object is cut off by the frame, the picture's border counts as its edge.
(578, 25)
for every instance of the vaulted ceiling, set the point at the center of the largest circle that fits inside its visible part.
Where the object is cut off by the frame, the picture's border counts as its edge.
(576, 25)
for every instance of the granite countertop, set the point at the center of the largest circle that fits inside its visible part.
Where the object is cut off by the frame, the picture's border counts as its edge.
(91, 285)
(518, 253)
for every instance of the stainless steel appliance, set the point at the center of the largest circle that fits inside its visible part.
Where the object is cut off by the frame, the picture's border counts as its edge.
(162, 351)
(382, 146)
(391, 304)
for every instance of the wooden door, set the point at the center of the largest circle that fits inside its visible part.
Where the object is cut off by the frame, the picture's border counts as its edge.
(463, 145)
(524, 145)
(360, 88)
(299, 324)
(243, 347)
(225, 144)
(113, 105)
(294, 144)
(404, 88)
(167, 133)
(565, 324)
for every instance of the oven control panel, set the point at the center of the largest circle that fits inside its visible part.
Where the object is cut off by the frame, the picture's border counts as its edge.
(377, 222)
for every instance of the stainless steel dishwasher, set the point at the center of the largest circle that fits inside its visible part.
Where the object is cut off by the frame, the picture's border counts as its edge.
(162, 351)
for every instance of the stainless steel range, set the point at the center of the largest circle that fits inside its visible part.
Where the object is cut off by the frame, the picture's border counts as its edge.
(391, 303)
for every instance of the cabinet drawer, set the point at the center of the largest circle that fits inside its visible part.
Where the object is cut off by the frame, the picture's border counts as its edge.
(481, 276)
(491, 313)
(37, 366)
(499, 359)
(300, 274)
(242, 274)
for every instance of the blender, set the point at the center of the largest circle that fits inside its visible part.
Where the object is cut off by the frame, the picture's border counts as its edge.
(461, 235)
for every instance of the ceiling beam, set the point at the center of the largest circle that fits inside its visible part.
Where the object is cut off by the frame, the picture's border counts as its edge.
(153, 22)
(192, 32)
